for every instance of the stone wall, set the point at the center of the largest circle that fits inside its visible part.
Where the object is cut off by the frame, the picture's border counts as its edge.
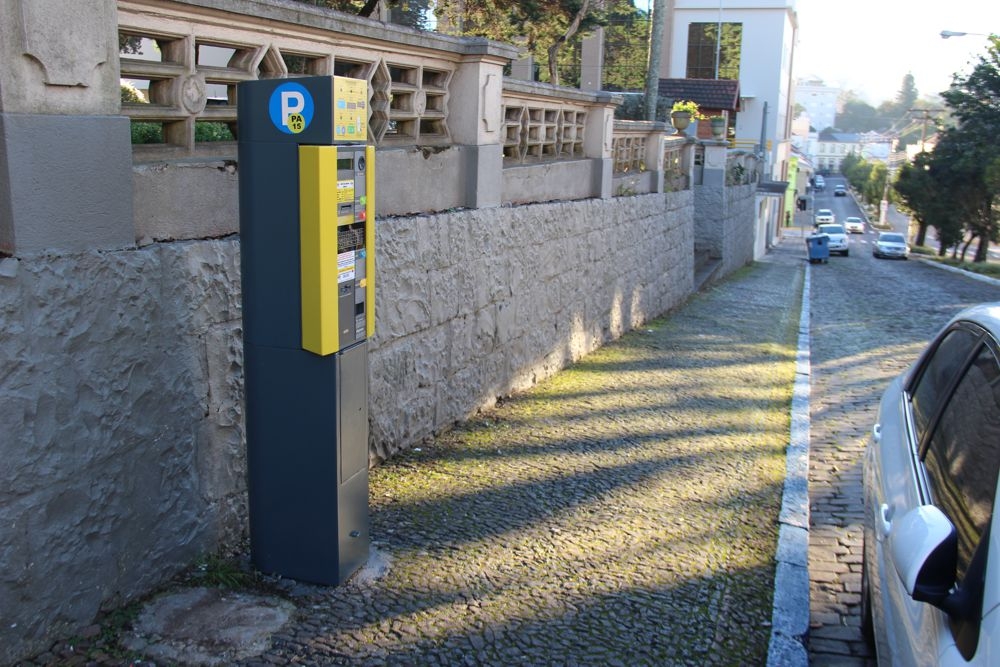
(121, 377)
(739, 227)
(725, 223)
(473, 305)
(123, 455)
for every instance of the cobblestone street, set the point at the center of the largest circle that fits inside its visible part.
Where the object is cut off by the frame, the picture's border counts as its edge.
(870, 320)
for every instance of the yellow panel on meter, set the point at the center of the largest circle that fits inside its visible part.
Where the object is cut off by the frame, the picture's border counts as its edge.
(318, 248)
(337, 218)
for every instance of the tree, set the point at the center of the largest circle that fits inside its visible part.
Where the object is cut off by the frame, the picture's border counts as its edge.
(653, 63)
(929, 205)
(626, 46)
(857, 115)
(543, 26)
(857, 170)
(874, 188)
(968, 151)
(411, 13)
(907, 95)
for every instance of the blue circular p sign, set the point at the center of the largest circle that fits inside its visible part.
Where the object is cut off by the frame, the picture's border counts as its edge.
(291, 108)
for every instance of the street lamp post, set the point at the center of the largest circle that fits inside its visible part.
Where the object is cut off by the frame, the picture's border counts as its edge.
(945, 34)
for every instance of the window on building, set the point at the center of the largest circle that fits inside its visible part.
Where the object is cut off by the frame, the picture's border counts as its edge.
(705, 47)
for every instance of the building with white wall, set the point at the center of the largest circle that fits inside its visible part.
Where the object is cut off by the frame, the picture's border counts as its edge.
(820, 102)
(766, 40)
(757, 48)
(832, 148)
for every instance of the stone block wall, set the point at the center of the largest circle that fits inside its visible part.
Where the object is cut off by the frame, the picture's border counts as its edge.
(123, 455)
(477, 304)
(725, 223)
(739, 227)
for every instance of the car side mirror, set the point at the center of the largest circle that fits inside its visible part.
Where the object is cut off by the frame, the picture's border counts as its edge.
(923, 546)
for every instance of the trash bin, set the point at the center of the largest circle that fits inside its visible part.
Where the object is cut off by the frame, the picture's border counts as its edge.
(819, 247)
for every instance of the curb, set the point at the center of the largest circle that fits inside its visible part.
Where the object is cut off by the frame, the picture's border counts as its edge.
(954, 269)
(790, 615)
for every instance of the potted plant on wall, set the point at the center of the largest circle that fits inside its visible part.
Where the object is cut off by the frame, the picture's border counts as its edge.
(682, 113)
(718, 126)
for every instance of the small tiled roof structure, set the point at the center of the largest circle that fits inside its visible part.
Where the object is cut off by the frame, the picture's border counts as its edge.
(708, 94)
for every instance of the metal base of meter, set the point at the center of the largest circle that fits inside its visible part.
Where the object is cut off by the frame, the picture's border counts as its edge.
(307, 460)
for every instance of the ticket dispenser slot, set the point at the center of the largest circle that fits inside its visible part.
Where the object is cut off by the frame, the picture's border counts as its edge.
(307, 239)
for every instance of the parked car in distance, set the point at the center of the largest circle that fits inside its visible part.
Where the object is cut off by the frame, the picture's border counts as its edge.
(820, 183)
(891, 244)
(840, 191)
(824, 215)
(854, 224)
(930, 577)
(838, 238)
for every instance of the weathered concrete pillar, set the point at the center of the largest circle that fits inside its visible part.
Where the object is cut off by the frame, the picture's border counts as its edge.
(598, 142)
(591, 61)
(477, 123)
(523, 69)
(654, 154)
(65, 152)
(714, 173)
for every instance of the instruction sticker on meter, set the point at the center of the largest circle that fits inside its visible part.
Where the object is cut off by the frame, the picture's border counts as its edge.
(345, 267)
(350, 113)
(345, 190)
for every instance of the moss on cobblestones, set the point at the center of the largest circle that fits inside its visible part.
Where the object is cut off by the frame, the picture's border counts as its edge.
(625, 508)
(622, 513)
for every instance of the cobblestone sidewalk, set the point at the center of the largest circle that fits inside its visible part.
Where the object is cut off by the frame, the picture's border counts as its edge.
(622, 513)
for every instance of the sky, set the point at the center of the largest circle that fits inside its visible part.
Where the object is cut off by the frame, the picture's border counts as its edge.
(869, 45)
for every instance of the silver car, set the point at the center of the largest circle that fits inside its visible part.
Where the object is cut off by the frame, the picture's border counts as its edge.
(891, 244)
(931, 571)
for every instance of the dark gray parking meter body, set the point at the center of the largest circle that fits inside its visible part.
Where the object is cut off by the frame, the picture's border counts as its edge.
(306, 409)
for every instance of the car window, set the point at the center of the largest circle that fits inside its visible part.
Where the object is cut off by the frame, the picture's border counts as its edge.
(831, 229)
(936, 377)
(961, 465)
(963, 454)
(891, 238)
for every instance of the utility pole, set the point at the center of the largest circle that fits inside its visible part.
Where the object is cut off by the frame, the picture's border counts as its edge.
(923, 129)
(656, 21)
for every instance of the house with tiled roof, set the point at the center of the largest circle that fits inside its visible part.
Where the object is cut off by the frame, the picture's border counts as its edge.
(752, 43)
(714, 97)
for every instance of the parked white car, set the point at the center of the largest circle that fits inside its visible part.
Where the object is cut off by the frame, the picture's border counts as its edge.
(824, 215)
(838, 238)
(931, 570)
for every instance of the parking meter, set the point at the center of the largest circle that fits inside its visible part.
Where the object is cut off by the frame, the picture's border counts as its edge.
(307, 243)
